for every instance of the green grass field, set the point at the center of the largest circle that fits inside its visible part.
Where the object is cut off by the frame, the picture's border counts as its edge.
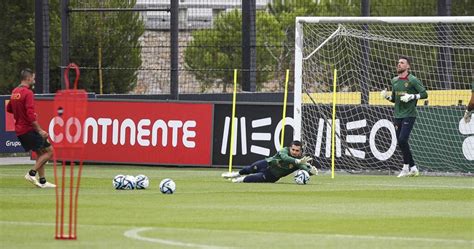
(351, 211)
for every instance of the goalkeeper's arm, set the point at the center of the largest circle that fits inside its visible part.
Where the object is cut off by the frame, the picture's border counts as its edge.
(309, 168)
(469, 110)
(387, 95)
(304, 160)
(467, 116)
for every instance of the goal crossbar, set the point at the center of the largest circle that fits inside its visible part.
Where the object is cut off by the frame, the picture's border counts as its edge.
(386, 19)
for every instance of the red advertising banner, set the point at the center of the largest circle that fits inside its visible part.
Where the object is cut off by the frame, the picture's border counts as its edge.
(136, 132)
(9, 120)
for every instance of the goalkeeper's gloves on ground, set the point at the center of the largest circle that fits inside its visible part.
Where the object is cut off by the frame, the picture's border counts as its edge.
(312, 170)
(408, 97)
(386, 95)
(303, 160)
(467, 116)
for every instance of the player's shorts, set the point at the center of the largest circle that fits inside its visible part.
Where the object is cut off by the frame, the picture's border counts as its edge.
(33, 141)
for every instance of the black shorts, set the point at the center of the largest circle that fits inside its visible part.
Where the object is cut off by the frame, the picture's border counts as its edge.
(33, 141)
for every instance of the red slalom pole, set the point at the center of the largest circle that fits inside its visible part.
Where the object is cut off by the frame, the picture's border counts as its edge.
(70, 104)
(56, 230)
(71, 206)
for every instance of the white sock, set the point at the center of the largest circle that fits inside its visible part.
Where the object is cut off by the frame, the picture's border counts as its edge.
(413, 167)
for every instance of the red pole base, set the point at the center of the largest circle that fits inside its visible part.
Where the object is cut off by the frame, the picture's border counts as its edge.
(65, 237)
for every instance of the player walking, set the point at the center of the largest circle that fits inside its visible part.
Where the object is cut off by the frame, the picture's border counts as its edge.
(406, 90)
(27, 129)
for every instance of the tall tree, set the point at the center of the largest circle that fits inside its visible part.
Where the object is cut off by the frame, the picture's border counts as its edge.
(286, 12)
(16, 41)
(118, 34)
(220, 49)
(108, 39)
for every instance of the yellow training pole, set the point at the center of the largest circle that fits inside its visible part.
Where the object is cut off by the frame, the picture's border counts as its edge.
(282, 140)
(234, 95)
(333, 124)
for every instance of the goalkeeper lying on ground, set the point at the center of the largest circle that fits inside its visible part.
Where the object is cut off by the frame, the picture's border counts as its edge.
(271, 169)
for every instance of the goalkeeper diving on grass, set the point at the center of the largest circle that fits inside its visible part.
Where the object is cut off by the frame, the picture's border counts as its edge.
(284, 162)
(406, 90)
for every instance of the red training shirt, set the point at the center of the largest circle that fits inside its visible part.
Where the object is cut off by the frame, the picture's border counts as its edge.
(21, 104)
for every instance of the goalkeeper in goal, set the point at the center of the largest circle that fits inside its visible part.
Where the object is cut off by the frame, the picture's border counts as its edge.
(285, 162)
(406, 90)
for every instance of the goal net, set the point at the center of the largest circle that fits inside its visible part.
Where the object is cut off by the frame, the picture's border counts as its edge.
(365, 52)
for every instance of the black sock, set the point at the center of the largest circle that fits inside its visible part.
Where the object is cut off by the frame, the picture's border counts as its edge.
(42, 180)
(32, 173)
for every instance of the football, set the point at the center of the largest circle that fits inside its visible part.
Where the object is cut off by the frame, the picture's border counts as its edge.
(301, 177)
(167, 186)
(142, 182)
(129, 182)
(118, 181)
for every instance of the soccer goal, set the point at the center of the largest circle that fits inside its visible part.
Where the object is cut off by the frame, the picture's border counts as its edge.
(363, 53)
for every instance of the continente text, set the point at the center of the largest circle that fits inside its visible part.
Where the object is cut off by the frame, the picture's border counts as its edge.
(144, 132)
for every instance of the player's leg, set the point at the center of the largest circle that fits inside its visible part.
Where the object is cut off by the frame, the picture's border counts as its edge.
(404, 135)
(44, 155)
(28, 142)
(39, 164)
(253, 168)
(398, 122)
(257, 177)
(262, 176)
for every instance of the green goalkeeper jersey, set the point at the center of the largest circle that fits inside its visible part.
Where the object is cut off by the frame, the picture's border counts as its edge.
(409, 85)
(283, 164)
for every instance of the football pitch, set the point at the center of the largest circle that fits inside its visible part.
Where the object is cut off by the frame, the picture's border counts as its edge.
(350, 211)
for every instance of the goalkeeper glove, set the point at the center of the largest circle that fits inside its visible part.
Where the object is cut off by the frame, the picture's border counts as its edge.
(303, 160)
(312, 170)
(386, 95)
(408, 97)
(467, 116)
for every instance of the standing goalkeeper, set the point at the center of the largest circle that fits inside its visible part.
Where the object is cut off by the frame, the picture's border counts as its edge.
(406, 90)
(271, 169)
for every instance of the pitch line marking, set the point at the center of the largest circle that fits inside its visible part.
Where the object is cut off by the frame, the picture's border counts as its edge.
(323, 235)
(372, 237)
(406, 185)
(133, 234)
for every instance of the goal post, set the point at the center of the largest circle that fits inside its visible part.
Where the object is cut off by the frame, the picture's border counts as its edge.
(365, 51)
